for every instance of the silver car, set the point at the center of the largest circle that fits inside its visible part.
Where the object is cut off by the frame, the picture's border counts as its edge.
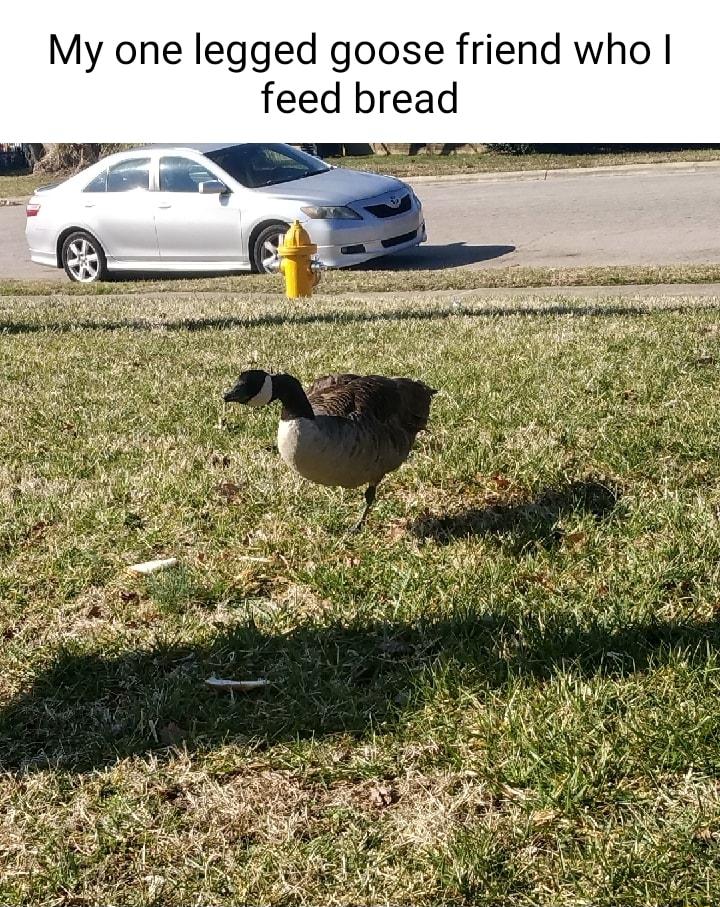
(215, 208)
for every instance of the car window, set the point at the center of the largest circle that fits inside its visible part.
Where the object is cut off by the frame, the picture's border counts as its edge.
(266, 164)
(180, 174)
(129, 175)
(99, 184)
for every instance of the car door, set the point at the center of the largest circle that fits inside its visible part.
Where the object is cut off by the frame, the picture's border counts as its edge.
(118, 206)
(193, 226)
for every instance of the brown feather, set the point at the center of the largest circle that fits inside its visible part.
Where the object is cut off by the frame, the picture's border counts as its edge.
(399, 402)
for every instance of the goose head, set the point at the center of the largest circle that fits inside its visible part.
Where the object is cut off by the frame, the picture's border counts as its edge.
(258, 388)
(253, 388)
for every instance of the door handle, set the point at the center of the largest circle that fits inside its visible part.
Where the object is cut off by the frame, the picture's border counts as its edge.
(89, 204)
(164, 206)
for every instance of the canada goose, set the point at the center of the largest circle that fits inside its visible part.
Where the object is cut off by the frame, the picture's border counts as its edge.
(347, 430)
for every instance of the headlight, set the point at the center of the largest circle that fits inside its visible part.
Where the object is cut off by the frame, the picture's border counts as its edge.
(330, 212)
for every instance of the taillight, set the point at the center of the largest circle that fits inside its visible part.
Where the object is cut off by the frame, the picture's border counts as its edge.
(32, 210)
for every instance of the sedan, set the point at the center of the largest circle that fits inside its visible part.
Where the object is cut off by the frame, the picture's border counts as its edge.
(219, 207)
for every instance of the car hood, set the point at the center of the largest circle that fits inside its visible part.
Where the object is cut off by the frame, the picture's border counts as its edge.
(338, 186)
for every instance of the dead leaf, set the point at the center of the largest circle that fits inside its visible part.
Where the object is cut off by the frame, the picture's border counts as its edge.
(543, 816)
(172, 793)
(704, 833)
(518, 794)
(542, 579)
(94, 611)
(575, 539)
(705, 360)
(129, 597)
(501, 481)
(219, 459)
(230, 491)
(382, 796)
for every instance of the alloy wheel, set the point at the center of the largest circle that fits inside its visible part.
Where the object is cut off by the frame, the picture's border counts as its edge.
(83, 261)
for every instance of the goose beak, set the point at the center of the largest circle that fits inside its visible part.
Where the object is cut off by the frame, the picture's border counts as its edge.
(237, 394)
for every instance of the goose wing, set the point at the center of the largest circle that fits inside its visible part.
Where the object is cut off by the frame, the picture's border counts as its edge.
(399, 402)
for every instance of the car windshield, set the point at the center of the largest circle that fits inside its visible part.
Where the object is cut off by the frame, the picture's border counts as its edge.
(266, 165)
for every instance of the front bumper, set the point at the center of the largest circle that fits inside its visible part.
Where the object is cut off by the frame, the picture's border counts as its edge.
(344, 243)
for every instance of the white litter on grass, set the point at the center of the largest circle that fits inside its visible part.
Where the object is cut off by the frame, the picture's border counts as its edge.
(153, 566)
(244, 686)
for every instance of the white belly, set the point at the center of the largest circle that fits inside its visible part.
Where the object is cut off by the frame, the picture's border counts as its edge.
(331, 451)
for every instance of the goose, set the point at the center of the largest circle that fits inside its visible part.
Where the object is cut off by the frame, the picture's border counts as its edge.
(346, 430)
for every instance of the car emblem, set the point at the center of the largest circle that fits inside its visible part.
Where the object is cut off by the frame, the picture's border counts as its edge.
(394, 202)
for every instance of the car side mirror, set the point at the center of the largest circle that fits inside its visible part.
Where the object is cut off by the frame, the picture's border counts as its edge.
(213, 187)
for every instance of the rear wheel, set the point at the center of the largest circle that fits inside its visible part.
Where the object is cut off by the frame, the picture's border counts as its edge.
(83, 258)
(265, 255)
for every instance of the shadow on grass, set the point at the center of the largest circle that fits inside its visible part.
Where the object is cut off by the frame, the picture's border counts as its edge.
(86, 710)
(530, 521)
(582, 310)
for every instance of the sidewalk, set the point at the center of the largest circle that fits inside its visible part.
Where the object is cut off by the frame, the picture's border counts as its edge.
(569, 172)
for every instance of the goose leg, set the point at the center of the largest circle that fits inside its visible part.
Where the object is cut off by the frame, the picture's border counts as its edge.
(370, 492)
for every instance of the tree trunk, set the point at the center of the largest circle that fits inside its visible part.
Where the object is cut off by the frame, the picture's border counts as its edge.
(64, 157)
(33, 151)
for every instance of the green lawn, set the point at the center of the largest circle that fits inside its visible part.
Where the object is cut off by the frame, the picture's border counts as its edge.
(381, 277)
(19, 185)
(490, 161)
(505, 691)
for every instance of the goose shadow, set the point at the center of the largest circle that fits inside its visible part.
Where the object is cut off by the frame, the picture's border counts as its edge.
(535, 520)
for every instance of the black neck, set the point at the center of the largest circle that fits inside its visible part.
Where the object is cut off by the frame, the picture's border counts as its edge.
(289, 392)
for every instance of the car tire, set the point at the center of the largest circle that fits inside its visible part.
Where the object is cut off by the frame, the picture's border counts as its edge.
(265, 259)
(83, 258)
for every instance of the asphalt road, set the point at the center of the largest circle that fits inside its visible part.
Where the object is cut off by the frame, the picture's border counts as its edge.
(662, 217)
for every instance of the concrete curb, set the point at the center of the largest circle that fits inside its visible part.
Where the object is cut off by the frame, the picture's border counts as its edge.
(650, 291)
(567, 173)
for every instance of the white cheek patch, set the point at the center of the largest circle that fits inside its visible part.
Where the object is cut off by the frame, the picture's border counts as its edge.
(264, 395)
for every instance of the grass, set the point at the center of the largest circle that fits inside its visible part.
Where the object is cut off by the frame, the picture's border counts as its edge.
(491, 162)
(379, 278)
(503, 692)
(19, 185)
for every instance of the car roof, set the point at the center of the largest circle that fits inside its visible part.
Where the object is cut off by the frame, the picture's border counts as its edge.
(203, 148)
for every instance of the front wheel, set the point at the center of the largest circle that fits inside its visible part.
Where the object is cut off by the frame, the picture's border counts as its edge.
(83, 258)
(265, 255)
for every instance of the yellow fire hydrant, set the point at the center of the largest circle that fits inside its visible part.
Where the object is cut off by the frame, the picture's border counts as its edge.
(301, 273)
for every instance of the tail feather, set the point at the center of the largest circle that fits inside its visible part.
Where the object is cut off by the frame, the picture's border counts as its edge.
(416, 399)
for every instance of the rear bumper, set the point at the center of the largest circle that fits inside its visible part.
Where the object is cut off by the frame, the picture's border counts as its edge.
(41, 241)
(44, 258)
